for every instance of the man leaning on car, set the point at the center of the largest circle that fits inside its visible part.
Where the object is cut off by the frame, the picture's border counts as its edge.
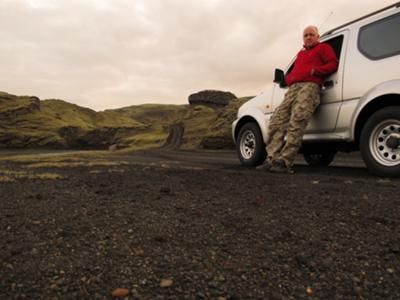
(313, 64)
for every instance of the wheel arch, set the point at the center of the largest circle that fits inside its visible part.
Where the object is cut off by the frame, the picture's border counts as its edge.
(257, 118)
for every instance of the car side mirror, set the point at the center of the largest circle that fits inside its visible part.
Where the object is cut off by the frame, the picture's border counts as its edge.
(280, 78)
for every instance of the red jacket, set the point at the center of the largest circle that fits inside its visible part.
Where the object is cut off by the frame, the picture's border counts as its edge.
(321, 58)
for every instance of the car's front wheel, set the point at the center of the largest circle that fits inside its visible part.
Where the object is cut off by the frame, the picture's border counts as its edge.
(250, 145)
(380, 142)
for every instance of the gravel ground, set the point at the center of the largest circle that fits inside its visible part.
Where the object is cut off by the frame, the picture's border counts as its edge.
(162, 232)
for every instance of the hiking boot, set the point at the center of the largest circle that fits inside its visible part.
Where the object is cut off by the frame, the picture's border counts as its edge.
(279, 166)
(266, 166)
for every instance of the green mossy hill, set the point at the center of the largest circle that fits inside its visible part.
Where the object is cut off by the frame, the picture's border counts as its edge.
(11, 105)
(27, 122)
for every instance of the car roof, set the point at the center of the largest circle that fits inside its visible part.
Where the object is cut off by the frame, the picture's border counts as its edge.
(395, 6)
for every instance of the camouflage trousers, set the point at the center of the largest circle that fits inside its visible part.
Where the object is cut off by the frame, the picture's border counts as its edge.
(290, 119)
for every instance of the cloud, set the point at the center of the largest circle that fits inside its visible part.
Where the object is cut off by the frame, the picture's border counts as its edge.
(106, 54)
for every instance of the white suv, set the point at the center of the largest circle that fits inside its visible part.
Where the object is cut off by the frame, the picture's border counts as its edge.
(360, 103)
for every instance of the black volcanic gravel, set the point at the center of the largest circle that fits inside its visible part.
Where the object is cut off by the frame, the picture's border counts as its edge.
(212, 233)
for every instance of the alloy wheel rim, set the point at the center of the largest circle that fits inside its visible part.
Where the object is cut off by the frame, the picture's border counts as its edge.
(379, 146)
(248, 144)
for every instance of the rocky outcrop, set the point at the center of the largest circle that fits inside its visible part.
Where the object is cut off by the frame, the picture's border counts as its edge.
(21, 140)
(16, 128)
(71, 135)
(211, 98)
(34, 103)
(12, 106)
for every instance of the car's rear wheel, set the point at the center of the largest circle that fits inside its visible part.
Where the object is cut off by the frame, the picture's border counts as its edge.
(380, 142)
(319, 159)
(250, 145)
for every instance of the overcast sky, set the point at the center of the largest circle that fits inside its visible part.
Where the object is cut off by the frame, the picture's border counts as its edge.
(113, 53)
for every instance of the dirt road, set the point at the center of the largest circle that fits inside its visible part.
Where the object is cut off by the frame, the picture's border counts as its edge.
(195, 225)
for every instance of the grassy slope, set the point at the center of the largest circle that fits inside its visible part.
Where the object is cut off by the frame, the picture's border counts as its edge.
(197, 122)
(40, 127)
(67, 114)
(222, 126)
(156, 119)
(23, 125)
(159, 118)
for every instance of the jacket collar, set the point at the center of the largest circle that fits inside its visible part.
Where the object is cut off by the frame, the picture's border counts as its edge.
(305, 48)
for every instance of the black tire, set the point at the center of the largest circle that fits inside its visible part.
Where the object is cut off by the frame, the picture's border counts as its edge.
(380, 142)
(319, 159)
(250, 145)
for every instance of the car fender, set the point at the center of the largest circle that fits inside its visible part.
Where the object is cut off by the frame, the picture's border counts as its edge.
(258, 116)
(385, 88)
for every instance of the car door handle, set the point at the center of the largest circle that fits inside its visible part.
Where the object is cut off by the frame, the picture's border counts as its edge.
(328, 84)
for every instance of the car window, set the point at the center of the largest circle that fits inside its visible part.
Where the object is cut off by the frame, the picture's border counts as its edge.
(380, 39)
(335, 43)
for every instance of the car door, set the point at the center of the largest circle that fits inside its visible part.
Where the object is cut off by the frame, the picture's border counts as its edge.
(325, 117)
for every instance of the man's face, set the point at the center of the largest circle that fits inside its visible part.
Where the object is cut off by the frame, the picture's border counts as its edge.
(310, 37)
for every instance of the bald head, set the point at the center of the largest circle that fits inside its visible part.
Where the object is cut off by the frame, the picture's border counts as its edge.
(312, 28)
(310, 36)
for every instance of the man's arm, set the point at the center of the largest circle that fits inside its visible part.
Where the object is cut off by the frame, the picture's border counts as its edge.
(330, 62)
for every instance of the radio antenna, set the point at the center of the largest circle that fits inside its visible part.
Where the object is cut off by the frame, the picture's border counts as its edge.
(323, 23)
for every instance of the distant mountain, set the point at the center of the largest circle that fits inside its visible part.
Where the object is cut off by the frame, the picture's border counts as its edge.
(27, 122)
